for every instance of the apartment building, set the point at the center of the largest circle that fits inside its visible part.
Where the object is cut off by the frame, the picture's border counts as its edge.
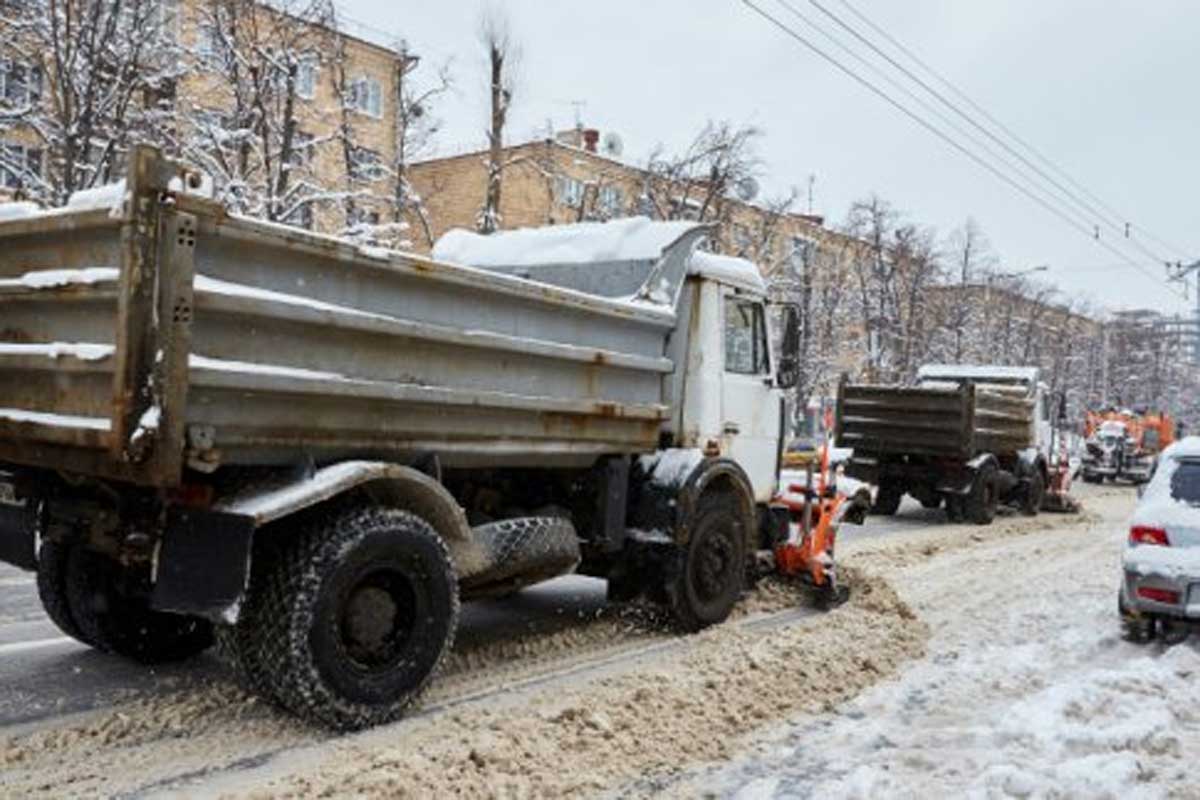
(294, 116)
(571, 177)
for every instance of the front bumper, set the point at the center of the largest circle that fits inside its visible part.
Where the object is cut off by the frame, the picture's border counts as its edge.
(1187, 588)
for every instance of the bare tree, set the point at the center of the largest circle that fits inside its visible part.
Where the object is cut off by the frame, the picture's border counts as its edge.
(84, 80)
(416, 126)
(258, 62)
(970, 256)
(695, 183)
(496, 37)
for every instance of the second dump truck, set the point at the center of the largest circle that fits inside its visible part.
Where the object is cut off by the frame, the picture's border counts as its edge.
(969, 438)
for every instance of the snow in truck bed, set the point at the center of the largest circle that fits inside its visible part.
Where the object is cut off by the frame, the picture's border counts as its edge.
(585, 243)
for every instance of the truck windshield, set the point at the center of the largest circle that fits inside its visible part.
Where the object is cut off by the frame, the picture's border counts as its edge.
(1185, 482)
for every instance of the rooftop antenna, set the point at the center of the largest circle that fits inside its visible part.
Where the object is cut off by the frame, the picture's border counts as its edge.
(578, 105)
(812, 180)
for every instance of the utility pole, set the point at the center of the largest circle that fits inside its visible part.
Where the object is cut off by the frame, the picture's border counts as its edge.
(1180, 272)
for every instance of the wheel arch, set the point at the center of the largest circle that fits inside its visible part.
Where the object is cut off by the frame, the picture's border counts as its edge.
(382, 483)
(717, 475)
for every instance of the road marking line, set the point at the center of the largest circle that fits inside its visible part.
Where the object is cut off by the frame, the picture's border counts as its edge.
(37, 644)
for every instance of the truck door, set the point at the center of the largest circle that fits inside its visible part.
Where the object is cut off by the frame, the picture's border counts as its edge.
(750, 405)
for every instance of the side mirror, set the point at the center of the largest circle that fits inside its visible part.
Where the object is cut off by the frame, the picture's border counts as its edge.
(788, 374)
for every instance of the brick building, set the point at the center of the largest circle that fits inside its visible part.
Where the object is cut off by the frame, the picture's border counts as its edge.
(343, 113)
(565, 179)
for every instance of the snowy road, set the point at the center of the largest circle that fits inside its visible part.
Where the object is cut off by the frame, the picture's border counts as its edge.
(1006, 678)
(1027, 690)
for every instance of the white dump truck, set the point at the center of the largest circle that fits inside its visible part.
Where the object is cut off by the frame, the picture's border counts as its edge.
(219, 428)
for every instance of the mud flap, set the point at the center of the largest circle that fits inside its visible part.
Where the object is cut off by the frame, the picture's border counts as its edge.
(204, 564)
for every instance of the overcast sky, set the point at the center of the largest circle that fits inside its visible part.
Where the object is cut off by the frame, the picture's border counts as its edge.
(1108, 91)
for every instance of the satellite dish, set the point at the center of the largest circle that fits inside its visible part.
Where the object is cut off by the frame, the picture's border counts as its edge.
(747, 189)
(613, 145)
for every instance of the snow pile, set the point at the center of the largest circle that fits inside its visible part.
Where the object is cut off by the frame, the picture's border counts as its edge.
(18, 210)
(54, 420)
(57, 278)
(670, 467)
(726, 269)
(84, 351)
(1169, 562)
(633, 239)
(111, 196)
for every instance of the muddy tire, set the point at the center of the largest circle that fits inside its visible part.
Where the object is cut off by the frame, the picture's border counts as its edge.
(1035, 494)
(887, 501)
(110, 620)
(239, 646)
(983, 499)
(358, 611)
(706, 576)
(52, 589)
(522, 552)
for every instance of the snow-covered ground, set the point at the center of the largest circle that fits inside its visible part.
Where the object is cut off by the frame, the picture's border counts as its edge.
(1027, 691)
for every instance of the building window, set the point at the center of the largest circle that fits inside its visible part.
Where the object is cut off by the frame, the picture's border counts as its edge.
(18, 164)
(366, 164)
(362, 219)
(568, 191)
(303, 149)
(300, 217)
(745, 338)
(743, 242)
(211, 49)
(612, 201)
(20, 84)
(366, 96)
(306, 77)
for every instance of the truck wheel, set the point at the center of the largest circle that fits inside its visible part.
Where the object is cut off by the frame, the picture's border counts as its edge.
(522, 552)
(239, 646)
(1035, 493)
(984, 497)
(887, 501)
(358, 611)
(52, 589)
(705, 580)
(111, 620)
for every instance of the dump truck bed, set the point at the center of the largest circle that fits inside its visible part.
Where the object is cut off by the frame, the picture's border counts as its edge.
(952, 422)
(163, 331)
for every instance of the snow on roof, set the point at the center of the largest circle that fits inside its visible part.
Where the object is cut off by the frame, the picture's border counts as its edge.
(633, 239)
(736, 272)
(1186, 448)
(978, 373)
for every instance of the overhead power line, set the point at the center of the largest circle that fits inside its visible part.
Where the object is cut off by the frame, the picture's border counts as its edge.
(944, 137)
(1064, 191)
(934, 111)
(1115, 217)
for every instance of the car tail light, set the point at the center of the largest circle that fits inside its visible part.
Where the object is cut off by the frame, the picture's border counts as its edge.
(1144, 534)
(1158, 595)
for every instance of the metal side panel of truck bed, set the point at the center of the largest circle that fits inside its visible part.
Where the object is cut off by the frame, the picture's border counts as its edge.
(164, 331)
(952, 422)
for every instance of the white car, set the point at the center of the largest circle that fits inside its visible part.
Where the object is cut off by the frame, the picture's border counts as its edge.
(1160, 592)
